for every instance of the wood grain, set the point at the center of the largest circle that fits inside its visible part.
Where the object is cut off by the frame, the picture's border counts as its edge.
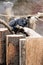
(34, 51)
(31, 51)
(2, 45)
(12, 49)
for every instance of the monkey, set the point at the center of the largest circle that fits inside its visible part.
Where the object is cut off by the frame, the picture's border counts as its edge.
(11, 28)
(17, 25)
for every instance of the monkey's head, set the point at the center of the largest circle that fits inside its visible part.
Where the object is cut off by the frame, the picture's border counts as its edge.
(31, 22)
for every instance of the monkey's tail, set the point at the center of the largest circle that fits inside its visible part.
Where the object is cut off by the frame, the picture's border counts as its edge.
(6, 25)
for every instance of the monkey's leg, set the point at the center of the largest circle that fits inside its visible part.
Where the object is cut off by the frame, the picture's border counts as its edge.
(20, 29)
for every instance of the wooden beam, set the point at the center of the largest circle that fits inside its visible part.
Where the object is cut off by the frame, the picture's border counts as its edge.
(22, 53)
(12, 49)
(34, 51)
(31, 51)
(3, 32)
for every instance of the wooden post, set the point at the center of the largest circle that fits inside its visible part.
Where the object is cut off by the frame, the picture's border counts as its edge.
(33, 51)
(34, 48)
(3, 31)
(22, 53)
(12, 49)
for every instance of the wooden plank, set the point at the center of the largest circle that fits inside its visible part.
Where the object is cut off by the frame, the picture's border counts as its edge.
(12, 49)
(22, 53)
(33, 51)
(3, 31)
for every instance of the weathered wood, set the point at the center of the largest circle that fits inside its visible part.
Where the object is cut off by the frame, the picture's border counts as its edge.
(12, 49)
(33, 51)
(22, 52)
(3, 31)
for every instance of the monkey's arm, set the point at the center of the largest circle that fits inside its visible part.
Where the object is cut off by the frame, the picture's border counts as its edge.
(5, 24)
